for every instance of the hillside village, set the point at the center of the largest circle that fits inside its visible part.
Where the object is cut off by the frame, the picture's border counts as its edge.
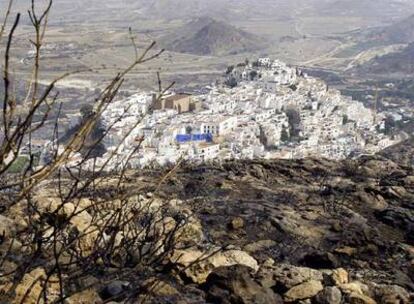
(264, 109)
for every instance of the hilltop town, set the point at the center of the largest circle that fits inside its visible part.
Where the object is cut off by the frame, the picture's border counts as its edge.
(263, 110)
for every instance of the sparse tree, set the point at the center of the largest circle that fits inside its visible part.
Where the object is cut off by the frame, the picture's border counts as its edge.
(231, 82)
(284, 137)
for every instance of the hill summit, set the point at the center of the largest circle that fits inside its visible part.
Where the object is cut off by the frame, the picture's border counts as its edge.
(399, 32)
(401, 62)
(208, 36)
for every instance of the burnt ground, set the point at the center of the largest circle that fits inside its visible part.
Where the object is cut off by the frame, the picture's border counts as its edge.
(315, 213)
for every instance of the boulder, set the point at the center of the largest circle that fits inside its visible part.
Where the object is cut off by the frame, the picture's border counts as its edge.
(355, 287)
(329, 295)
(235, 284)
(191, 234)
(160, 288)
(31, 287)
(89, 234)
(355, 298)
(18, 214)
(7, 227)
(88, 296)
(409, 180)
(286, 276)
(9, 244)
(340, 276)
(257, 171)
(289, 221)
(259, 246)
(398, 217)
(80, 219)
(347, 250)
(397, 191)
(116, 290)
(198, 265)
(303, 291)
(391, 294)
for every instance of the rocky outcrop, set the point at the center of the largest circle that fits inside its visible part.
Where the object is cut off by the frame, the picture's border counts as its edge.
(197, 265)
(303, 291)
(329, 295)
(234, 284)
(388, 294)
(89, 296)
(284, 276)
(30, 288)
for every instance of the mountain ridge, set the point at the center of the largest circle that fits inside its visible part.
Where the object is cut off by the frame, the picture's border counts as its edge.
(401, 62)
(396, 33)
(208, 36)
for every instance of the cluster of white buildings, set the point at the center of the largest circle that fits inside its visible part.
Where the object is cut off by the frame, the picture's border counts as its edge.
(275, 111)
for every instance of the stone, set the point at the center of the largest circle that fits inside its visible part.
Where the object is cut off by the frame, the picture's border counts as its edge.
(237, 223)
(115, 290)
(89, 234)
(409, 180)
(349, 251)
(198, 264)
(234, 284)
(190, 234)
(397, 217)
(30, 288)
(392, 294)
(337, 227)
(268, 263)
(355, 287)
(80, 219)
(355, 298)
(287, 276)
(7, 227)
(160, 288)
(303, 291)
(340, 276)
(329, 295)
(88, 296)
(397, 191)
(259, 246)
(289, 221)
(11, 247)
(184, 234)
(83, 204)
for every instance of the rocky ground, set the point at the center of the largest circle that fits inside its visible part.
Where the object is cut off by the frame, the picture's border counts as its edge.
(307, 223)
(303, 231)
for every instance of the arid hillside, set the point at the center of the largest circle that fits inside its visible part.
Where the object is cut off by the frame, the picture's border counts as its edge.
(207, 36)
(276, 231)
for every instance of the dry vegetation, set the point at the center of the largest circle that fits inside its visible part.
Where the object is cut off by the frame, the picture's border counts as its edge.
(70, 224)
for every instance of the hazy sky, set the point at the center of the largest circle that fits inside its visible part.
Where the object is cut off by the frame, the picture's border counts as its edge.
(231, 10)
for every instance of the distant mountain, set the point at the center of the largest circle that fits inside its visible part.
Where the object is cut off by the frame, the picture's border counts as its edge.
(229, 9)
(393, 63)
(207, 36)
(400, 32)
(377, 9)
